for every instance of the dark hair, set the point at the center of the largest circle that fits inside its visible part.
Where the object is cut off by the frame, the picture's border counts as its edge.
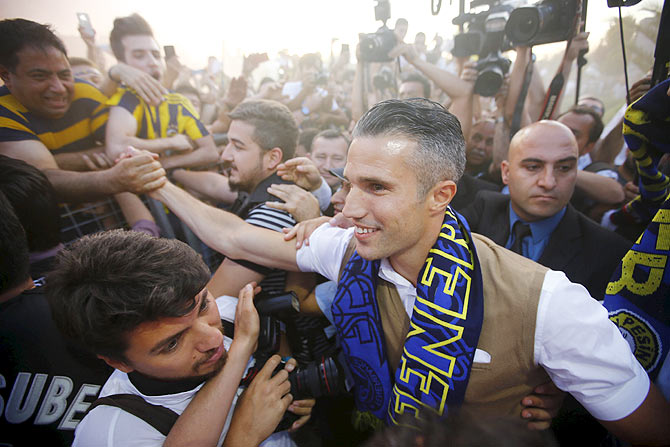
(274, 124)
(34, 201)
(440, 153)
(14, 262)
(593, 98)
(331, 134)
(107, 284)
(18, 34)
(597, 126)
(306, 137)
(133, 25)
(416, 77)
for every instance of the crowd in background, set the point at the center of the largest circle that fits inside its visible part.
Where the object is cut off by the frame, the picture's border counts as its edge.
(555, 191)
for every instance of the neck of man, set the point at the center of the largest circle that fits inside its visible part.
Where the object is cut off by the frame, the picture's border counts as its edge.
(409, 263)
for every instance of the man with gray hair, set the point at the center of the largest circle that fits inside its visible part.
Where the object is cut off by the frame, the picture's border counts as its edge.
(431, 317)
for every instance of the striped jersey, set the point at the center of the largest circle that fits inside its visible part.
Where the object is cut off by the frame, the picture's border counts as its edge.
(175, 115)
(82, 127)
(270, 218)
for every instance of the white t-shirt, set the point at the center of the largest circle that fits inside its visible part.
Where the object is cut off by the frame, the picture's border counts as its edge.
(575, 342)
(111, 426)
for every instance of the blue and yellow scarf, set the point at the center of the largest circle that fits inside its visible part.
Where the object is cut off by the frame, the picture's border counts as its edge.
(638, 297)
(444, 330)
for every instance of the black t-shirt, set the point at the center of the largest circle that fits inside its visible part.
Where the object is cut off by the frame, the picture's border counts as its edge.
(46, 383)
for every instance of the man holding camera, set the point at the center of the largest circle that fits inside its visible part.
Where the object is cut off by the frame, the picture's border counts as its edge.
(140, 303)
(412, 281)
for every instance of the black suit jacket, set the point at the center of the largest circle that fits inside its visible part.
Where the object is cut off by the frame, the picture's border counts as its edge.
(585, 251)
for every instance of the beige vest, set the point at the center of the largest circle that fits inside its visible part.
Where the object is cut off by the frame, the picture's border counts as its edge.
(512, 286)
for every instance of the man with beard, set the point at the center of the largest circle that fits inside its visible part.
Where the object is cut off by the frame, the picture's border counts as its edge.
(262, 135)
(432, 317)
(172, 128)
(141, 304)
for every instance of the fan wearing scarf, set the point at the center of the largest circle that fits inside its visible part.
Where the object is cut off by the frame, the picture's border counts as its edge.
(433, 318)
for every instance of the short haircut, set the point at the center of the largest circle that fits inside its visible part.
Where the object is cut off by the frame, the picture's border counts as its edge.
(107, 284)
(440, 153)
(18, 34)
(401, 21)
(82, 61)
(34, 201)
(14, 262)
(274, 124)
(332, 134)
(133, 25)
(593, 98)
(597, 126)
(306, 137)
(416, 77)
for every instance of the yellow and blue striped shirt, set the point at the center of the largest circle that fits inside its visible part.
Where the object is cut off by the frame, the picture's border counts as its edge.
(82, 127)
(175, 115)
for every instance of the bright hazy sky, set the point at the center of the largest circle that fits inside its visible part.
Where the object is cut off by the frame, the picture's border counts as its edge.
(200, 28)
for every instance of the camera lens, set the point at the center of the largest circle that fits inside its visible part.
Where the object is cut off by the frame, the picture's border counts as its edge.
(489, 81)
(523, 25)
(316, 379)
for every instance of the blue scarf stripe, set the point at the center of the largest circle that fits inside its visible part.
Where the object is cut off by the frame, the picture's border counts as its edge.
(638, 295)
(444, 330)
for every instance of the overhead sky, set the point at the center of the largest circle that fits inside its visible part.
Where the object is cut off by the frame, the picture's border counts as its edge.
(200, 28)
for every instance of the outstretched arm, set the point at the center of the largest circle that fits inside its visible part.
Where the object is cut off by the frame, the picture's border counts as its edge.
(648, 424)
(227, 233)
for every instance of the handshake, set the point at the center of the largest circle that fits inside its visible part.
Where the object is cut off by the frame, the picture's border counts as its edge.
(136, 171)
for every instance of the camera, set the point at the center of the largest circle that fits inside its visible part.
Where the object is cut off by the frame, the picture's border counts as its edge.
(325, 377)
(375, 46)
(492, 70)
(485, 37)
(545, 22)
(491, 32)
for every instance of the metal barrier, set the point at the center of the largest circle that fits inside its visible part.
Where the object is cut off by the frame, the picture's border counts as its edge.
(78, 220)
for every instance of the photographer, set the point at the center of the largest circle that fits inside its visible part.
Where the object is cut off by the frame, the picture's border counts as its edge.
(118, 293)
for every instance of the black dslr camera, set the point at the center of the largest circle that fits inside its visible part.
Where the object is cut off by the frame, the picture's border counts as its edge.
(491, 32)
(484, 36)
(375, 46)
(315, 379)
(545, 22)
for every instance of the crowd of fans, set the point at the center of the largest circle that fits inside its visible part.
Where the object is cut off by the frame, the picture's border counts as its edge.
(86, 148)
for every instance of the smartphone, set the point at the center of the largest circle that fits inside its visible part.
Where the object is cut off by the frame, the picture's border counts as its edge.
(85, 23)
(169, 51)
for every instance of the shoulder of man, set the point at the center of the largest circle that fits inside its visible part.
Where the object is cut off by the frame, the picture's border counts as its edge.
(105, 423)
(14, 119)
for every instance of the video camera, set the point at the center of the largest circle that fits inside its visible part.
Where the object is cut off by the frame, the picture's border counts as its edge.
(375, 46)
(491, 32)
(319, 378)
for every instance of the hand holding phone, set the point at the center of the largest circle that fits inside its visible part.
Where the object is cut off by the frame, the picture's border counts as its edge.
(85, 27)
(169, 51)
